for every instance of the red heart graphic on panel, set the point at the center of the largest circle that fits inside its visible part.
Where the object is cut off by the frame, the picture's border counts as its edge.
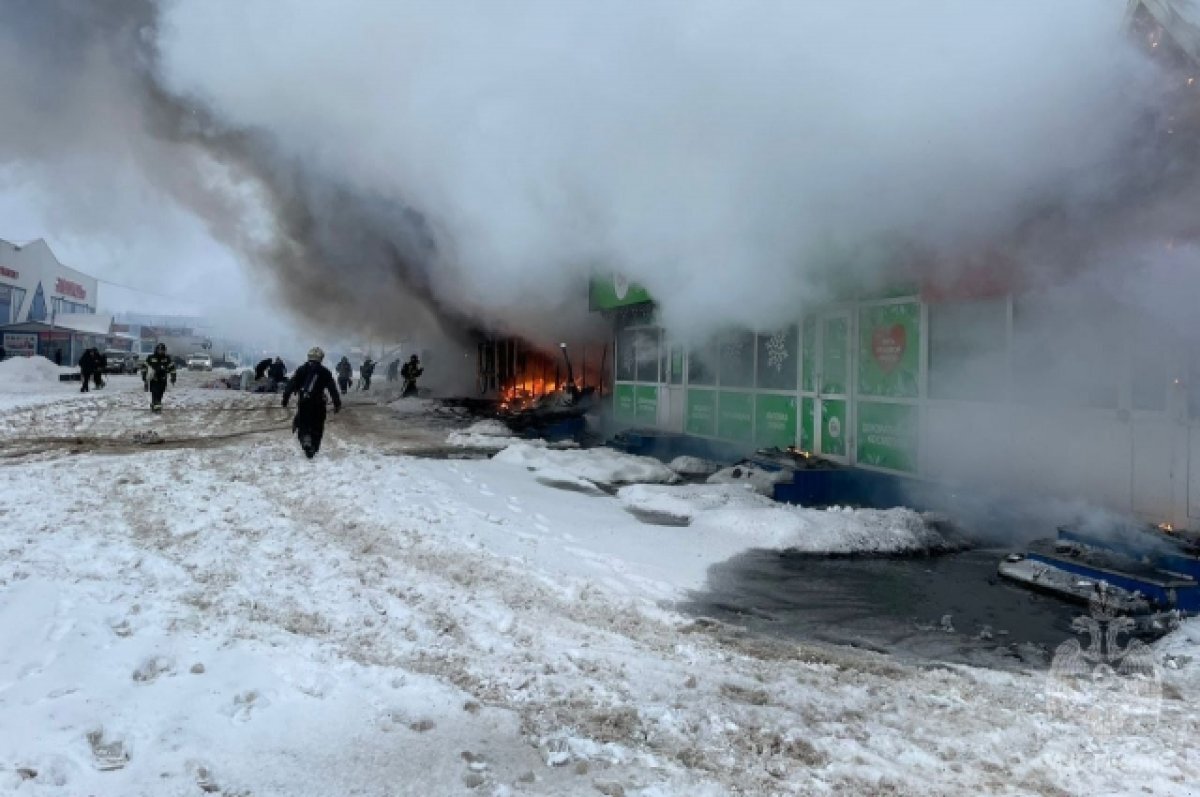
(887, 346)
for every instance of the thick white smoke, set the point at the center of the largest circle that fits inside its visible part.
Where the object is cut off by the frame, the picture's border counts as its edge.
(716, 152)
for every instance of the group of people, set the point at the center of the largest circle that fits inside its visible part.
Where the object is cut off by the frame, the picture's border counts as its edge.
(92, 365)
(410, 372)
(309, 384)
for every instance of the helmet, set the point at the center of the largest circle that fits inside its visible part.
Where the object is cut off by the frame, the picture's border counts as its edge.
(316, 354)
(160, 348)
(413, 357)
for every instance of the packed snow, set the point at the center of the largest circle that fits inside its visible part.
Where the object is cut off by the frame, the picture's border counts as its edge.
(599, 466)
(758, 478)
(693, 466)
(217, 615)
(491, 435)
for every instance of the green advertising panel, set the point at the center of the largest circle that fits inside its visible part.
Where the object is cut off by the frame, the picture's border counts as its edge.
(835, 345)
(833, 427)
(887, 435)
(613, 290)
(626, 399)
(889, 342)
(808, 356)
(808, 423)
(775, 421)
(735, 416)
(646, 404)
(702, 412)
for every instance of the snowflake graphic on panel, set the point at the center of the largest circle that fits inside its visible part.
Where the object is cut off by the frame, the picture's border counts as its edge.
(777, 353)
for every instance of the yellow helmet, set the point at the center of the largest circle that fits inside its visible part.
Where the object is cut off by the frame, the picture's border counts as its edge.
(316, 354)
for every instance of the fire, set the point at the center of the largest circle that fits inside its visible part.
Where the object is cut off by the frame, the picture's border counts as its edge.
(1167, 527)
(526, 393)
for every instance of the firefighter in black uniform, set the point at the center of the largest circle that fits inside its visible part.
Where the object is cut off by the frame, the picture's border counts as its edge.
(156, 369)
(87, 366)
(411, 370)
(345, 375)
(310, 383)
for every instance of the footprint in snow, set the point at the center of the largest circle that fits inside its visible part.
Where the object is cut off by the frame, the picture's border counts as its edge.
(108, 753)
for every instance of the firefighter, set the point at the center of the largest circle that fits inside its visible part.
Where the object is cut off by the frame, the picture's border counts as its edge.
(393, 371)
(87, 367)
(411, 370)
(277, 373)
(156, 369)
(365, 371)
(310, 383)
(345, 374)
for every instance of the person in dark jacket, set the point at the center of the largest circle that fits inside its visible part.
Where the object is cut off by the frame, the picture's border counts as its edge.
(101, 367)
(411, 370)
(345, 375)
(310, 383)
(156, 369)
(365, 371)
(87, 367)
(57, 356)
(393, 371)
(260, 370)
(277, 373)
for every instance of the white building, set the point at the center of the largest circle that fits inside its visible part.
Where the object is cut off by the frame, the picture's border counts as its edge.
(35, 286)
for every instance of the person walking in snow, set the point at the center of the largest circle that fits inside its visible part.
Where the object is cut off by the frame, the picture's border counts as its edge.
(411, 370)
(345, 375)
(101, 367)
(277, 373)
(365, 371)
(309, 384)
(87, 367)
(393, 371)
(260, 370)
(156, 370)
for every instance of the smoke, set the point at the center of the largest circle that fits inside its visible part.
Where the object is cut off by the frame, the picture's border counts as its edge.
(413, 165)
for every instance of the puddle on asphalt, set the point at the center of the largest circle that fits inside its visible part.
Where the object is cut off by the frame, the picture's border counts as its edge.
(952, 608)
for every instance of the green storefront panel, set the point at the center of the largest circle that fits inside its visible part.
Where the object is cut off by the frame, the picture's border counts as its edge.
(887, 435)
(808, 423)
(735, 416)
(775, 421)
(889, 343)
(833, 427)
(612, 291)
(646, 404)
(702, 412)
(808, 355)
(626, 402)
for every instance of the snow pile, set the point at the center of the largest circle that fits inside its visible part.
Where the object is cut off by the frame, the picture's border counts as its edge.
(491, 435)
(1178, 654)
(599, 466)
(737, 510)
(29, 371)
(693, 466)
(760, 479)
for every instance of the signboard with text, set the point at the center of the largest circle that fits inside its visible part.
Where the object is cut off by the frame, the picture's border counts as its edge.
(775, 420)
(735, 416)
(702, 412)
(889, 342)
(887, 435)
(20, 344)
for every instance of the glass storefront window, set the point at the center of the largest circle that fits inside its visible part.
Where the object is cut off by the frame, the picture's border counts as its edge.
(737, 358)
(778, 359)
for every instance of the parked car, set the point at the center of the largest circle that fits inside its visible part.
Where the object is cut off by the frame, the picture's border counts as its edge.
(200, 361)
(121, 362)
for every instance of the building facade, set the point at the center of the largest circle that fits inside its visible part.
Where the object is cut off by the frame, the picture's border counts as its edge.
(35, 286)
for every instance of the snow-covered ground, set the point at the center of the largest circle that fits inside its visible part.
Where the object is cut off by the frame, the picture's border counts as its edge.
(204, 611)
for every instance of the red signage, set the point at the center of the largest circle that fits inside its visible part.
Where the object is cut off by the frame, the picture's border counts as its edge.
(8, 272)
(68, 288)
(888, 345)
